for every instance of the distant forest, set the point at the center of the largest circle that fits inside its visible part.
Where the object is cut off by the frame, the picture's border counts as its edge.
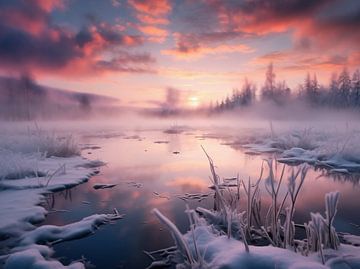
(343, 91)
(23, 99)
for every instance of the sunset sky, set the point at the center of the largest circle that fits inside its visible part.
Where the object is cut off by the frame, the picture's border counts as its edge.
(134, 50)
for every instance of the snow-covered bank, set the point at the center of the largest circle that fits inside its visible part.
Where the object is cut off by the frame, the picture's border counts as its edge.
(334, 151)
(221, 252)
(33, 247)
(204, 246)
(230, 237)
(32, 166)
(20, 198)
(55, 174)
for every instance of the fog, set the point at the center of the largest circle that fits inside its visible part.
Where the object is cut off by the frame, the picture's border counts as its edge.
(24, 104)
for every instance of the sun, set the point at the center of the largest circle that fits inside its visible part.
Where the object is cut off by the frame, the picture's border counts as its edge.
(194, 101)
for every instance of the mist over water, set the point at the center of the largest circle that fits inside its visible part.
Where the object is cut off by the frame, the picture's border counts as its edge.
(162, 177)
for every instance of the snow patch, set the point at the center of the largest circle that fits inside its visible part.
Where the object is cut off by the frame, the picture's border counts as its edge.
(26, 176)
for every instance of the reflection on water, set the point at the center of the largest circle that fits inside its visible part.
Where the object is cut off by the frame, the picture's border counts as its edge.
(149, 175)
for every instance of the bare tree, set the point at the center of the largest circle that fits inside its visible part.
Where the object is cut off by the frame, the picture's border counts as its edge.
(269, 86)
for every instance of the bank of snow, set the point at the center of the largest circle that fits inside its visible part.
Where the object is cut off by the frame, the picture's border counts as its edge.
(221, 252)
(27, 174)
(33, 251)
(337, 152)
(204, 246)
(20, 198)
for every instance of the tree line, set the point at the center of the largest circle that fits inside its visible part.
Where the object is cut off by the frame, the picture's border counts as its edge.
(343, 91)
(23, 99)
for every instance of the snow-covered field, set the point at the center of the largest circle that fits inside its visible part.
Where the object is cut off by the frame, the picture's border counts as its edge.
(32, 165)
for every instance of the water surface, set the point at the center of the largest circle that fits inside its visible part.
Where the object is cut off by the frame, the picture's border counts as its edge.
(151, 169)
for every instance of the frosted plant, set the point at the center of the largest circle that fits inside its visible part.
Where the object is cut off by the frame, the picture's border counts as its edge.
(228, 221)
(15, 165)
(273, 187)
(219, 201)
(253, 202)
(289, 228)
(52, 144)
(293, 191)
(60, 171)
(279, 232)
(194, 221)
(331, 202)
(320, 231)
(316, 231)
(177, 236)
(242, 228)
(190, 261)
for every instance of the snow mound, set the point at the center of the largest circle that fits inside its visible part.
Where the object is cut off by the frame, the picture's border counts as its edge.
(60, 174)
(55, 234)
(222, 252)
(19, 209)
(205, 247)
(28, 173)
(33, 258)
(339, 153)
(352, 239)
(33, 249)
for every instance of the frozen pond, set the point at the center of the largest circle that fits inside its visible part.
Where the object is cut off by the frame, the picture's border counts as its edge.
(151, 169)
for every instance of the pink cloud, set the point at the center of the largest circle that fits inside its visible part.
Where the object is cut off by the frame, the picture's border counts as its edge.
(201, 51)
(151, 14)
(153, 33)
(154, 20)
(154, 7)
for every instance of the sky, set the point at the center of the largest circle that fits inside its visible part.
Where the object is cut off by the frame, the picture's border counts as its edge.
(135, 50)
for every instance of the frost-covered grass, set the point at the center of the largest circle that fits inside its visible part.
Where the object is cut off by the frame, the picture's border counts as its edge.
(15, 165)
(21, 152)
(306, 139)
(36, 140)
(231, 237)
(338, 151)
(207, 247)
(219, 251)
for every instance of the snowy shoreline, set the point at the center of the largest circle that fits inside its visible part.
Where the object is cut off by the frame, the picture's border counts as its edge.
(26, 180)
(336, 152)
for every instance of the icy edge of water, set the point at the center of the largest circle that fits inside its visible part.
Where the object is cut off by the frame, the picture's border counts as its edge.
(20, 209)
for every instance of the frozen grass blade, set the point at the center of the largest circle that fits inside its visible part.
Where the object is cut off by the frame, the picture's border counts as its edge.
(219, 200)
(179, 240)
(331, 202)
(242, 228)
(273, 189)
(293, 191)
(317, 224)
